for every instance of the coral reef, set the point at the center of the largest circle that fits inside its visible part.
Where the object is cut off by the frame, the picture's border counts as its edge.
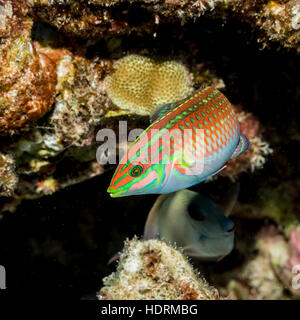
(267, 274)
(278, 20)
(140, 83)
(81, 106)
(8, 178)
(80, 100)
(27, 77)
(95, 19)
(43, 71)
(77, 108)
(153, 270)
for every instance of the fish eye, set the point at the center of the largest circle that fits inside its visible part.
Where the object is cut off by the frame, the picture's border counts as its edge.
(136, 171)
(195, 213)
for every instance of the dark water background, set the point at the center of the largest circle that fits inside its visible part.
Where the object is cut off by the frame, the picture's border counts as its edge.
(58, 246)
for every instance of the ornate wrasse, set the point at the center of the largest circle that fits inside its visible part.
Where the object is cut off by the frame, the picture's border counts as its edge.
(187, 142)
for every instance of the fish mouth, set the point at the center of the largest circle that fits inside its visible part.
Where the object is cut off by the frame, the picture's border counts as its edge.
(115, 193)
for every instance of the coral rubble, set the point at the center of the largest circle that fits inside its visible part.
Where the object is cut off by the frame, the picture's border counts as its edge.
(151, 269)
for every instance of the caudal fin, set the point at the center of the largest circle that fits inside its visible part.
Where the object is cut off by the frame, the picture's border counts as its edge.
(242, 147)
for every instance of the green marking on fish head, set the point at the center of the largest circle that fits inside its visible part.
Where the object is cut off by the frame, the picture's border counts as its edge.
(141, 170)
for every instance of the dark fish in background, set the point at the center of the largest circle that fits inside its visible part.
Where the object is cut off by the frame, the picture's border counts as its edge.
(192, 222)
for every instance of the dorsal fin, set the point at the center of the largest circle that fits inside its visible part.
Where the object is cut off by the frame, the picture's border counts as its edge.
(242, 146)
(160, 111)
(165, 108)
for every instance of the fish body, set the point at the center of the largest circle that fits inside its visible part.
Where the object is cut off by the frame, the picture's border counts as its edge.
(192, 222)
(187, 142)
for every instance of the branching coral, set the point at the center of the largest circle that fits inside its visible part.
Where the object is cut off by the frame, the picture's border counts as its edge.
(153, 270)
(8, 178)
(27, 78)
(140, 83)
